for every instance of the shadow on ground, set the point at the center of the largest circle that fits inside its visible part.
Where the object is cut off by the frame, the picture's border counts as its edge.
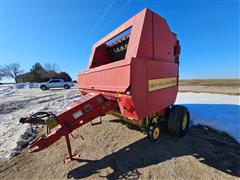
(208, 146)
(213, 148)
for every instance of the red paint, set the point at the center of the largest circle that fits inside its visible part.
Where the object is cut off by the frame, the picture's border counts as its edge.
(152, 53)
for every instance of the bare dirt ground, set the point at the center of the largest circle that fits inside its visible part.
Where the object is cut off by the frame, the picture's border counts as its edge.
(115, 149)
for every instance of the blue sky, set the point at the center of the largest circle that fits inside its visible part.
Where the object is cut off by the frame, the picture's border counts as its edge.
(63, 32)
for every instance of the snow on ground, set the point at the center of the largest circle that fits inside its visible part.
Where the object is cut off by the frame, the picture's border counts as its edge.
(26, 85)
(22, 103)
(6, 90)
(10, 89)
(215, 110)
(221, 112)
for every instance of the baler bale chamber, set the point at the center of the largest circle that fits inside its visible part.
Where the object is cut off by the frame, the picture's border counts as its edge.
(132, 74)
(137, 65)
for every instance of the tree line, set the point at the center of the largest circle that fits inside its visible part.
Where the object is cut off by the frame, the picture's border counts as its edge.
(37, 73)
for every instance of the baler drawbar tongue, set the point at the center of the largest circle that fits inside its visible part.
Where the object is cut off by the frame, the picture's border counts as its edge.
(80, 113)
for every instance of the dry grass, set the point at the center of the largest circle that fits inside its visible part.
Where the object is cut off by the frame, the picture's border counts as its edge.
(219, 86)
(234, 83)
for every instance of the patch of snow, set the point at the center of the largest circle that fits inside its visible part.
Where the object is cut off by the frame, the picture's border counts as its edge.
(206, 98)
(26, 85)
(15, 136)
(10, 89)
(6, 90)
(57, 106)
(221, 112)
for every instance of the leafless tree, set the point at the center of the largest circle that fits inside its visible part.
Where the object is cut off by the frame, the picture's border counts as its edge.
(12, 71)
(1, 73)
(51, 69)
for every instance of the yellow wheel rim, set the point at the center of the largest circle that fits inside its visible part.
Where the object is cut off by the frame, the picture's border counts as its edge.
(156, 133)
(184, 123)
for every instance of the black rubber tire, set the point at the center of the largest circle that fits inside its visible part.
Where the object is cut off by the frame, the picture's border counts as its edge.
(175, 121)
(44, 88)
(151, 130)
(66, 86)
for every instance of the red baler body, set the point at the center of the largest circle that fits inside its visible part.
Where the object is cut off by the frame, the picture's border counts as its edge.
(136, 75)
(145, 80)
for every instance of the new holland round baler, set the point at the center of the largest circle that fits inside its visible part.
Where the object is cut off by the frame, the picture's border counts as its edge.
(133, 74)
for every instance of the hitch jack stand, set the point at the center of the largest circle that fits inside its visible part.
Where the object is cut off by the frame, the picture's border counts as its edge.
(71, 156)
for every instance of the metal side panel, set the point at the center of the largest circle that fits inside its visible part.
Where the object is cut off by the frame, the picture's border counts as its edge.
(162, 85)
(139, 87)
(154, 85)
(110, 77)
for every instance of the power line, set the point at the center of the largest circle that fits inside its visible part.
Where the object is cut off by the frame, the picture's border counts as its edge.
(115, 15)
(107, 10)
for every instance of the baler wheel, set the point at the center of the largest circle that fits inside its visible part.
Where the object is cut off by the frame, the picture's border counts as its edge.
(154, 132)
(178, 121)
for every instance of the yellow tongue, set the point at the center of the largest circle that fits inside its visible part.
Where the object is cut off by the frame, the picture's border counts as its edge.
(52, 122)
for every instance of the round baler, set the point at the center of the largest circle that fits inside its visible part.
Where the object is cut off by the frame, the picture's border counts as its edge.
(137, 65)
(132, 74)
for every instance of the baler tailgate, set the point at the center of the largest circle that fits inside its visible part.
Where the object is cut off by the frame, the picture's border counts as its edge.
(80, 113)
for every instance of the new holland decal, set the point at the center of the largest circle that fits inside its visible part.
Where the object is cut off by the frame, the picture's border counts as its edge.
(156, 84)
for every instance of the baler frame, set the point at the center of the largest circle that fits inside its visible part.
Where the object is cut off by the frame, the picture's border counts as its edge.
(134, 77)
